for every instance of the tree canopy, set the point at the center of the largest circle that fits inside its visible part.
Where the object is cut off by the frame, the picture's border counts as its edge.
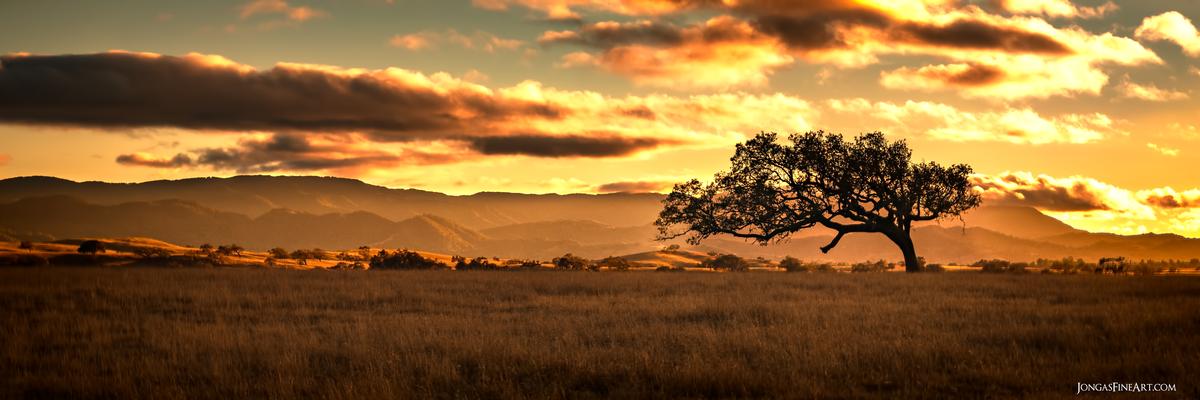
(773, 189)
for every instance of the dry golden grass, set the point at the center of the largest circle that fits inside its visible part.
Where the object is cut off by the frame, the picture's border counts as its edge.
(255, 333)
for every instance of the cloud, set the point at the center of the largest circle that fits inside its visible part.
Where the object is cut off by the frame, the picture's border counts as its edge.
(1090, 204)
(1169, 198)
(121, 91)
(562, 146)
(1070, 194)
(297, 13)
(1056, 8)
(412, 41)
(298, 152)
(934, 76)
(1171, 26)
(1149, 92)
(1009, 57)
(479, 40)
(720, 53)
(946, 122)
(1166, 151)
(635, 187)
(147, 160)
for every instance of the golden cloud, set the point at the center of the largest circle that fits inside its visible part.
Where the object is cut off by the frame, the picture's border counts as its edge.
(946, 122)
(1056, 8)
(1173, 27)
(994, 56)
(1149, 92)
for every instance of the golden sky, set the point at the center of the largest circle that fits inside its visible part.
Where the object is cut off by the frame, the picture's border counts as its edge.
(1086, 110)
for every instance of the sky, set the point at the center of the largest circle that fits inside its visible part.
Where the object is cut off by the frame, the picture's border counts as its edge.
(1087, 110)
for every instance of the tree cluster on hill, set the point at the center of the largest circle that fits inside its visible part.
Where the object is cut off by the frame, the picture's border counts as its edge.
(571, 262)
(404, 260)
(726, 262)
(475, 264)
(613, 264)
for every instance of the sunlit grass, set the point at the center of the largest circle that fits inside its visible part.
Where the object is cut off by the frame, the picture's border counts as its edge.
(238, 333)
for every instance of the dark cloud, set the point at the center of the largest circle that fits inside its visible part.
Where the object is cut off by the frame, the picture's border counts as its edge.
(1045, 193)
(180, 160)
(634, 187)
(286, 152)
(819, 30)
(610, 34)
(970, 34)
(562, 146)
(119, 89)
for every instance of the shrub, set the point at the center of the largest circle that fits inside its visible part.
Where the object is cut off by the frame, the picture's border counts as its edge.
(364, 253)
(726, 262)
(614, 264)
(793, 264)
(663, 269)
(570, 262)
(345, 266)
(148, 253)
(475, 264)
(1001, 266)
(25, 245)
(404, 260)
(90, 247)
(206, 248)
(934, 268)
(878, 266)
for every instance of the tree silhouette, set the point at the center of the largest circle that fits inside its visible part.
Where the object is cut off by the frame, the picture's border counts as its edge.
(26, 245)
(773, 189)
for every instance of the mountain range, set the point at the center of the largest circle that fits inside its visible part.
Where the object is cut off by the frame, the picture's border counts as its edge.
(261, 212)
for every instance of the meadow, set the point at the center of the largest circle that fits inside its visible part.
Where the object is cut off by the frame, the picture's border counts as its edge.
(257, 333)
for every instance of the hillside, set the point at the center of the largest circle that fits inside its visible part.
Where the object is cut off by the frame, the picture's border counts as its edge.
(261, 212)
(255, 195)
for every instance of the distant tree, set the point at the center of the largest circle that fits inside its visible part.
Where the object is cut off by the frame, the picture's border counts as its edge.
(673, 247)
(793, 264)
(269, 262)
(364, 252)
(877, 266)
(404, 259)
(570, 262)
(206, 248)
(26, 245)
(224, 250)
(301, 256)
(278, 252)
(317, 254)
(236, 250)
(475, 264)
(91, 247)
(773, 190)
(149, 253)
(614, 264)
(726, 262)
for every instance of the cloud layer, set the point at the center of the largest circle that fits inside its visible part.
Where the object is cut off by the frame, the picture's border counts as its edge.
(989, 55)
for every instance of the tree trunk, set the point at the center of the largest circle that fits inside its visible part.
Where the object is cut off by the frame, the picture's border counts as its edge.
(911, 262)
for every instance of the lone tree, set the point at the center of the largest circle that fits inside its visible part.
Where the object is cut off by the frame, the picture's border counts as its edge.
(773, 189)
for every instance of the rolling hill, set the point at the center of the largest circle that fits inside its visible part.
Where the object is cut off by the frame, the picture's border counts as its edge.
(304, 212)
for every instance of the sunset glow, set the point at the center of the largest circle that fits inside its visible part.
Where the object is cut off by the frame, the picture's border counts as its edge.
(1086, 110)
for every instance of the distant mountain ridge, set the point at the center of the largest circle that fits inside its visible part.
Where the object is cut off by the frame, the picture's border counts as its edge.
(518, 225)
(254, 195)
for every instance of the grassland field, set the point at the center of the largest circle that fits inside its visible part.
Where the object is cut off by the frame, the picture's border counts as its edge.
(155, 333)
